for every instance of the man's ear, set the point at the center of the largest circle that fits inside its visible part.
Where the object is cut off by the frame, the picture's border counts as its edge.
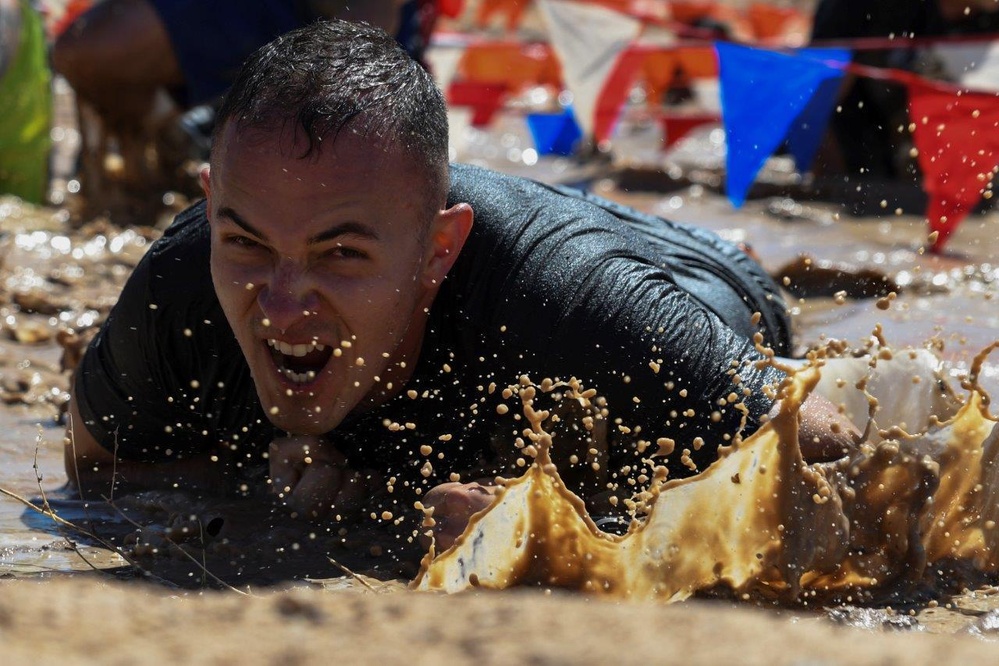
(205, 180)
(447, 236)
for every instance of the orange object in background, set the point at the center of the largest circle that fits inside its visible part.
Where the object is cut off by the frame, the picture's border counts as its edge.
(623, 6)
(659, 72)
(698, 62)
(769, 22)
(691, 11)
(513, 10)
(661, 69)
(511, 64)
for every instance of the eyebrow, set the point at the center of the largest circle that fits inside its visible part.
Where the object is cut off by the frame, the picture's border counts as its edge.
(337, 230)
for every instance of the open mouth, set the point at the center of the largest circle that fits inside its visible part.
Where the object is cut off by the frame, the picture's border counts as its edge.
(299, 363)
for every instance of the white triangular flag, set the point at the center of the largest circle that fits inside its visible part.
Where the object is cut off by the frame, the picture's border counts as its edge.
(973, 65)
(587, 39)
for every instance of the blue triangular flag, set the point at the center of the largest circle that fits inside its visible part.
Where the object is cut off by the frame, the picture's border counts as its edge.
(806, 132)
(768, 96)
(554, 133)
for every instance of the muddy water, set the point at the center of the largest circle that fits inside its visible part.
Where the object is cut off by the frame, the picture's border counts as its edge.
(56, 279)
(54, 283)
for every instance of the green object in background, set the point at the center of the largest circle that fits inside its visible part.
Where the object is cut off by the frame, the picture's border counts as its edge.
(25, 111)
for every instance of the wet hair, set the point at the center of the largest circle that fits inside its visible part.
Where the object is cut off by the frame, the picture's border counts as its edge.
(331, 74)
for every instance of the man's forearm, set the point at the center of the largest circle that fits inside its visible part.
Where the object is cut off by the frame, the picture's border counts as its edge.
(108, 478)
(97, 472)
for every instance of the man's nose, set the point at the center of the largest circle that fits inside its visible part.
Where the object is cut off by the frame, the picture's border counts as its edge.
(288, 296)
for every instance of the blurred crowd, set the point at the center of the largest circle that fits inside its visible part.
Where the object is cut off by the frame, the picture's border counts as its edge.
(146, 74)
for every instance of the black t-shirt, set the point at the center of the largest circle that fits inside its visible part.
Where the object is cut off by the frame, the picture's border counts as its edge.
(551, 283)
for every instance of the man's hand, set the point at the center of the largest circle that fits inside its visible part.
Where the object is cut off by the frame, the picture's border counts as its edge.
(312, 477)
(823, 433)
(453, 506)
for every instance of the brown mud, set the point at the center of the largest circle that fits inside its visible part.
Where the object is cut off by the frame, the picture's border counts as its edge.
(58, 283)
(759, 522)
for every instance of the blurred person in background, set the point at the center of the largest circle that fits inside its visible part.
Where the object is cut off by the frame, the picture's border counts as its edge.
(25, 102)
(137, 65)
(866, 129)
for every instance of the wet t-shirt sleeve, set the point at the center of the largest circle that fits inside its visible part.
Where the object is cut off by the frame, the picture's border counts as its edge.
(163, 378)
(559, 287)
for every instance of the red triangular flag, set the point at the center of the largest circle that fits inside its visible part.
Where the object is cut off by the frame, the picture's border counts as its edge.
(957, 136)
(485, 98)
(615, 92)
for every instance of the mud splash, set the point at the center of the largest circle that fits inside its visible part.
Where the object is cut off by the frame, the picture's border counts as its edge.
(760, 522)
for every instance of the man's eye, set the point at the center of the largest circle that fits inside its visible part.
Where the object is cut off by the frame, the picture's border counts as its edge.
(341, 252)
(240, 241)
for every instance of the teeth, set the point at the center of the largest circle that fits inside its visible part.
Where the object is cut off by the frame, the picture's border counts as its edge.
(295, 350)
(299, 377)
(298, 350)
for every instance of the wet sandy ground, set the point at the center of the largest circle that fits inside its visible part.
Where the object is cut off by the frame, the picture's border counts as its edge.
(54, 278)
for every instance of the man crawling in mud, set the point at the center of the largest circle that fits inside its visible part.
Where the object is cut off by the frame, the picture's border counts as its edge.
(337, 321)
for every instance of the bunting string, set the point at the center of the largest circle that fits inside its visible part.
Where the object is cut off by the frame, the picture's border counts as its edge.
(771, 95)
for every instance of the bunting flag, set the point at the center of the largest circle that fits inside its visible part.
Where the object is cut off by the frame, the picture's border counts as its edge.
(616, 89)
(485, 99)
(654, 61)
(675, 126)
(554, 133)
(957, 136)
(806, 132)
(767, 97)
(974, 66)
(658, 65)
(766, 94)
(587, 38)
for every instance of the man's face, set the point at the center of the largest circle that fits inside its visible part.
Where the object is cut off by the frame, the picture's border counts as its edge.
(323, 269)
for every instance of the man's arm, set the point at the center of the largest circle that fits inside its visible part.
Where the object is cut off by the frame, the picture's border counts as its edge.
(97, 473)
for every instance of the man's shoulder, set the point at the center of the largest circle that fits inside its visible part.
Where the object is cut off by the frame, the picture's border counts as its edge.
(506, 204)
(185, 246)
(470, 181)
(176, 269)
(511, 196)
(188, 230)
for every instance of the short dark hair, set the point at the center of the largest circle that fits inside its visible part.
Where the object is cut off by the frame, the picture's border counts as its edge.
(329, 73)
